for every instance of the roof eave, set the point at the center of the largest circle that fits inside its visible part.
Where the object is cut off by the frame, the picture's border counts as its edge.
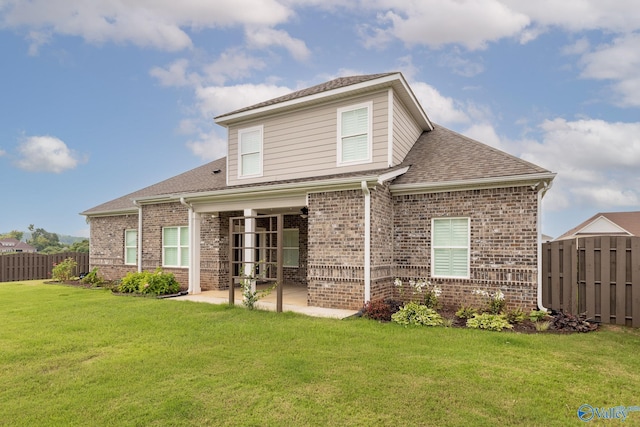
(473, 184)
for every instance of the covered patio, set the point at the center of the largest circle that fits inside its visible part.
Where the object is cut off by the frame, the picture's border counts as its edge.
(294, 300)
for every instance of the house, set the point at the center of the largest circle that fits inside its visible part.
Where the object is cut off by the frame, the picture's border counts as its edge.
(606, 224)
(11, 245)
(368, 189)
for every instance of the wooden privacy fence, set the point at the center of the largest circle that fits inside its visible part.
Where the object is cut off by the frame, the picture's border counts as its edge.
(34, 266)
(595, 276)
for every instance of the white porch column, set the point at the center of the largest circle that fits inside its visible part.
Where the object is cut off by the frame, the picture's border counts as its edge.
(250, 243)
(194, 252)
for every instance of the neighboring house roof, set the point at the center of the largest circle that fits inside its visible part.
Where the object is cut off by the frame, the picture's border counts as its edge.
(606, 223)
(14, 245)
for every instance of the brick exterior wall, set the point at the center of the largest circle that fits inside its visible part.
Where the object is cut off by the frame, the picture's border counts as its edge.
(502, 229)
(106, 247)
(336, 249)
(503, 240)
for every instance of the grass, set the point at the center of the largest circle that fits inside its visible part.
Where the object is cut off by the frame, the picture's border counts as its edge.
(77, 357)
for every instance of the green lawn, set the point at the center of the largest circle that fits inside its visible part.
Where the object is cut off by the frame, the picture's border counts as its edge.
(79, 357)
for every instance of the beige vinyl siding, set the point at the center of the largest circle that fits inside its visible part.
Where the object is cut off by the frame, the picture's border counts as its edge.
(405, 131)
(303, 143)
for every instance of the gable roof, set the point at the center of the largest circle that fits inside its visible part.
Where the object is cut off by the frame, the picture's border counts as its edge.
(11, 244)
(334, 89)
(611, 223)
(442, 158)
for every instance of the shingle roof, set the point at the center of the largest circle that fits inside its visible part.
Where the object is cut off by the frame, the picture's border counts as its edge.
(338, 83)
(201, 178)
(443, 155)
(629, 221)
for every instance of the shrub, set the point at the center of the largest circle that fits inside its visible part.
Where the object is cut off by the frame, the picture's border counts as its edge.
(414, 314)
(157, 283)
(495, 300)
(421, 290)
(465, 312)
(515, 316)
(489, 321)
(93, 278)
(377, 310)
(538, 315)
(63, 270)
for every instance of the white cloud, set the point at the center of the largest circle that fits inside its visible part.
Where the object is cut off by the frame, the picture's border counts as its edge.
(175, 74)
(596, 162)
(233, 64)
(46, 154)
(435, 23)
(208, 146)
(439, 108)
(485, 133)
(214, 100)
(460, 65)
(158, 24)
(263, 37)
(619, 62)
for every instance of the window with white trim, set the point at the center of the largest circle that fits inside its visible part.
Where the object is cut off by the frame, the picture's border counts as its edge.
(291, 247)
(130, 247)
(250, 152)
(450, 247)
(354, 134)
(175, 247)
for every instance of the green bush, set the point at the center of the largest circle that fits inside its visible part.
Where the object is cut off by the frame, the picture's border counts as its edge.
(538, 315)
(63, 270)
(515, 316)
(93, 278)
(414, 314)
(489, 321)
(157, 283)
(465, 312)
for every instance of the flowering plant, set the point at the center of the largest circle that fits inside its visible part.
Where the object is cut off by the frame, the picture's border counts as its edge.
(423, 288)
(495, 300)
(250, 296)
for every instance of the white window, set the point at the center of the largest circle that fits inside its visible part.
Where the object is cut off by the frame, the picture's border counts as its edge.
(291, 247)
(250, 152)
(175, 246)
(130, 246)
(450, 247)
(354, 134)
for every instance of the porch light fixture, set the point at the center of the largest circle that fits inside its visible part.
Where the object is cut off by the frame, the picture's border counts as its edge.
(305, 212)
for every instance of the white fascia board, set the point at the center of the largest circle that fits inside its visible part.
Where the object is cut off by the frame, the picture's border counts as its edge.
(225, 120)
(472, 184)
(414, 102)
(615, 227)
(118, 212)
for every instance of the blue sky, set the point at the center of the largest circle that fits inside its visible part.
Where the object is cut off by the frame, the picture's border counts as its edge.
(101, 98)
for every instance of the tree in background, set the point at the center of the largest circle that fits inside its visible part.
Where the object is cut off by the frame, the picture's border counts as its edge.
(13, 234)
(44, 241)
(81, 246)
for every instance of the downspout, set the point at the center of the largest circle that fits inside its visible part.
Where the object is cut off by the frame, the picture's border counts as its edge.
(543, 187)
(367, 241)
(139, 254)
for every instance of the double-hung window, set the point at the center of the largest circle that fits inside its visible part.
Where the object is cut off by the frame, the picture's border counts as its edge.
(450, 247)
(290, 247)
(354, 134)
(130, 247)
(250, 152)
(175, 246)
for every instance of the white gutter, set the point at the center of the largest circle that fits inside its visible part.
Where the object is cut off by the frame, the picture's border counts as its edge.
(139, 254)
(367, 241)
(471, 184)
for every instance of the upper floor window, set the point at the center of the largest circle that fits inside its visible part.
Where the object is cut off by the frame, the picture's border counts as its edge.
(450, 247)
(354, 134)
(175, 246)
(130, 246)
(250, 152)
